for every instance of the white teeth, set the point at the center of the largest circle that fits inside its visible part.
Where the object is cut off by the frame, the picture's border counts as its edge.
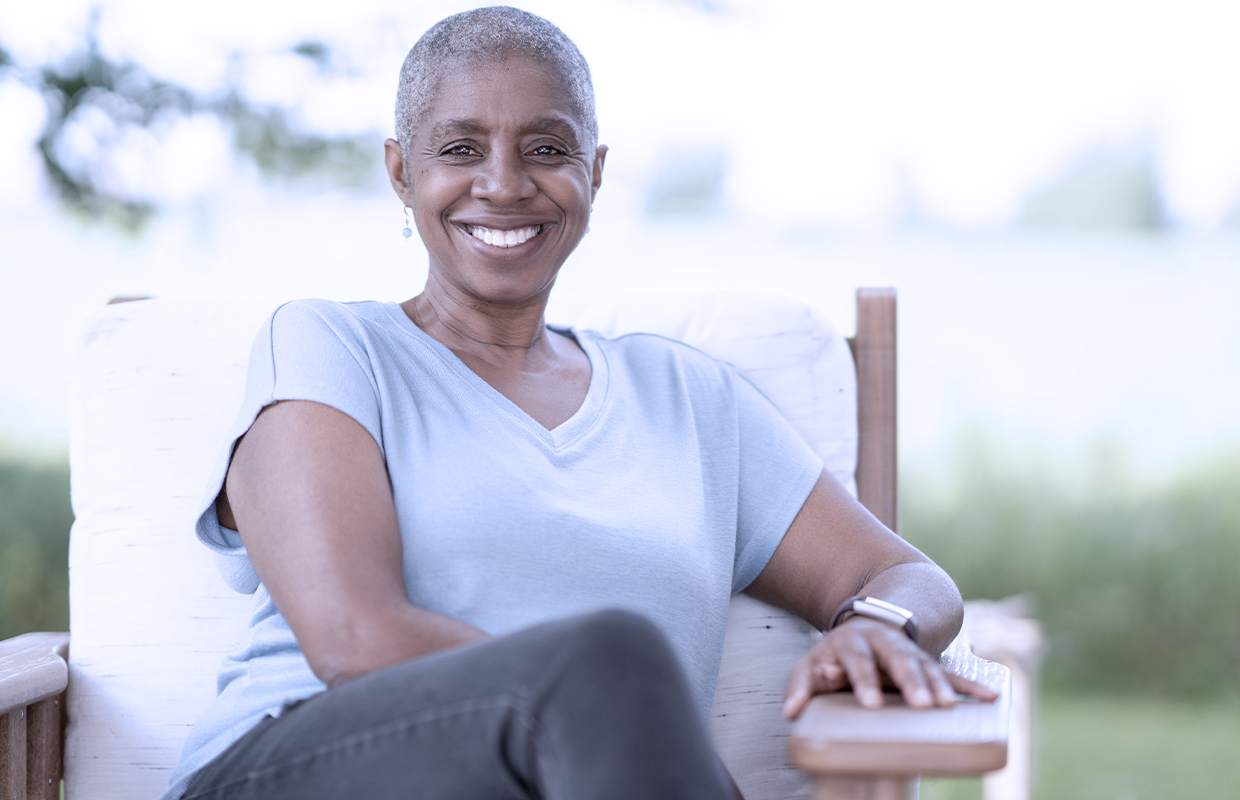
(499, 238)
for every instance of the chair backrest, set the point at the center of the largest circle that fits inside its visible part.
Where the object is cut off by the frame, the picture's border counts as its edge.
(154, 392)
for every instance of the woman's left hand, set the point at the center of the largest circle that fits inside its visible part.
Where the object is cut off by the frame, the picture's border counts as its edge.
(867, 654)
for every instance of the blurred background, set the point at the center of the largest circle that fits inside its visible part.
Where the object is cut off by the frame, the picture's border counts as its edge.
(1052, 186)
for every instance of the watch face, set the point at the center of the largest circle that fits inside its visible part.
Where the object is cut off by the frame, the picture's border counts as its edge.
(878, 603)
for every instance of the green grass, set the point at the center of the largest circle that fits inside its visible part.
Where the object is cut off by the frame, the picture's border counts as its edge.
(950, 789)
(34, 545)
(1107, 748)
(1138, 749)
(1137, 588)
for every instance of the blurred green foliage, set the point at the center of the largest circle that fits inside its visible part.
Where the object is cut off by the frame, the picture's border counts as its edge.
(88, 82)
(1136, 587)
(34, 546)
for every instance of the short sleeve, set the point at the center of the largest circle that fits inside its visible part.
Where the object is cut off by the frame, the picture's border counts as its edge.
(307, 350)
(777, 470)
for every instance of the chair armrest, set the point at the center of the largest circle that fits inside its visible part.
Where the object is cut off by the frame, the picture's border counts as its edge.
(32, 668)
(835, 737)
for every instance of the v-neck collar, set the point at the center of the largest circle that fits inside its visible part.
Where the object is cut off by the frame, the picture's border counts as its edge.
(559, 437)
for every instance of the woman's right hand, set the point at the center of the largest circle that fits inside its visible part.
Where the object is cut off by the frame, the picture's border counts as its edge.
(309, 494)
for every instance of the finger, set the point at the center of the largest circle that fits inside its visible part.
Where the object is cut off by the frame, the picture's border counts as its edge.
(907, 673)
(944, 693)
(798, 692)
(817, 672)
(827, 675)
(907, 667)
(972, 688)
(862, 671)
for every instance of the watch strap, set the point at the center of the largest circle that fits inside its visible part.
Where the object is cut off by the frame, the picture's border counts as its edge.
(879, 609)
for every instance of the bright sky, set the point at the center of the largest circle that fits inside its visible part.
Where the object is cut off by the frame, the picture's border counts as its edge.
(831, 113)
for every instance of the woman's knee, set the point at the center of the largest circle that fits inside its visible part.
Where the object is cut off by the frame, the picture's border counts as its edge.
(618, 638)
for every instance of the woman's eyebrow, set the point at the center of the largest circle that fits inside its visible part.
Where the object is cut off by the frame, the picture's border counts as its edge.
(456, 127)
(555, 125)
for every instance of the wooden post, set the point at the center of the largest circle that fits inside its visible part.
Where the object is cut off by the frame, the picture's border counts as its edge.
(44, 749)
(13, 748)
(874, 351)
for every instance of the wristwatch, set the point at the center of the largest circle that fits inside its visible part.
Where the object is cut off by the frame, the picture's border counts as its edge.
(875, 608)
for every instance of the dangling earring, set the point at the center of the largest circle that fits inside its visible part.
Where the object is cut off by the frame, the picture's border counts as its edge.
(406, 231)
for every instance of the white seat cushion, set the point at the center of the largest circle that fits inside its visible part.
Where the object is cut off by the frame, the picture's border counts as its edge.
(153, 395)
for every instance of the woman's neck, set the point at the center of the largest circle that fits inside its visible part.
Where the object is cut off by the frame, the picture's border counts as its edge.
(500, 335)
(545, 374)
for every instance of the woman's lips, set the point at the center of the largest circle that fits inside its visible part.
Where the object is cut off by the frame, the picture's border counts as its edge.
(497, 237)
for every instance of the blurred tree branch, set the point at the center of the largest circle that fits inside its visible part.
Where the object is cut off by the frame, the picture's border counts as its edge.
(88, 84)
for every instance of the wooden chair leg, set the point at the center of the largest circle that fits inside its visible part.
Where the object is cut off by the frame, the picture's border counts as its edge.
(13, 755)
(834, 788)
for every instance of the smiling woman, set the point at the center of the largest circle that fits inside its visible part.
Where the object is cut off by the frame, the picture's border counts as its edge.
(492, 558)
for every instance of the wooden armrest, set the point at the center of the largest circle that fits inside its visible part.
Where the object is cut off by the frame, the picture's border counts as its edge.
(835, 737)
(32, 668)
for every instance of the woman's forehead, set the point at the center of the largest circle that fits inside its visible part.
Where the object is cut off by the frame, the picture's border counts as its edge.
(474, 95)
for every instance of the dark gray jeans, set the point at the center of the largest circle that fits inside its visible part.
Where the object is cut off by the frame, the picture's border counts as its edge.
(594, 706)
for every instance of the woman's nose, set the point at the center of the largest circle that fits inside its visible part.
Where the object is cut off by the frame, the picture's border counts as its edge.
(504, 179)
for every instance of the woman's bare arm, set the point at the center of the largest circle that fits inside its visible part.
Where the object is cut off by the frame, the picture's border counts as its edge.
(835, 549)
(308, 491)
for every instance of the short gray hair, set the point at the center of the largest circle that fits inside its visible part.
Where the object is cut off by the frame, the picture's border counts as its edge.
(482, 34)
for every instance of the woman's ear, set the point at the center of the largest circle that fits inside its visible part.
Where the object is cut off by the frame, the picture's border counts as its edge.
(596, 177)
(395, 162)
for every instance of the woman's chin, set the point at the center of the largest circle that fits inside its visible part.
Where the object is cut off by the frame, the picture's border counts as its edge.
(511, 275)
(510, 286)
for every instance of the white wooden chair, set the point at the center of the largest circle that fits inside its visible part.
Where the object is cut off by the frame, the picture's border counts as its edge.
(154, 392)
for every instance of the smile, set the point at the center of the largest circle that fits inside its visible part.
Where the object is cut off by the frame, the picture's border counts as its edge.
(498, 238)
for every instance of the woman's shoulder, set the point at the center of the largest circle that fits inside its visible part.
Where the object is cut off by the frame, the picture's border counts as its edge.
(311, 309)
(315, 330)
(316, 318)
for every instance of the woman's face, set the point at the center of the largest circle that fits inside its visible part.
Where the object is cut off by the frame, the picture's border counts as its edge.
(500, 178)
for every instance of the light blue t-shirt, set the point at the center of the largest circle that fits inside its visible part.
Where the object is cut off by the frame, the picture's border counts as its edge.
(666, 492)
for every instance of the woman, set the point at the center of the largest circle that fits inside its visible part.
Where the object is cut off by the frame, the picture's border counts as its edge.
(437, 502)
